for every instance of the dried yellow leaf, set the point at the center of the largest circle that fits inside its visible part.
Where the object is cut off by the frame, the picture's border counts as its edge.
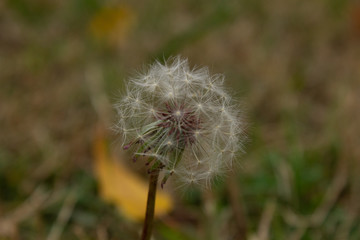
(112, 24)
(123, 188)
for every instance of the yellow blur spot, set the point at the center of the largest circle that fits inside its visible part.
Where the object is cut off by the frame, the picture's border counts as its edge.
(113, 24)
(118, 185)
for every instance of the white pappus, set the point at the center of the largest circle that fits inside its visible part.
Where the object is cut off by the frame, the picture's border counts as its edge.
(180, 121)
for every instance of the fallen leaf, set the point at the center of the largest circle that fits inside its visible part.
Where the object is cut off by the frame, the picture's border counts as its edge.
(112, 24)
(120, 186)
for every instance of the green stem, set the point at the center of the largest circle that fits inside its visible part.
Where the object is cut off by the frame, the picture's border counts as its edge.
(150, 206)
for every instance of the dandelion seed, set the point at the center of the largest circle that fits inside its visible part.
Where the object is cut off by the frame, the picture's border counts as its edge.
(182, 121)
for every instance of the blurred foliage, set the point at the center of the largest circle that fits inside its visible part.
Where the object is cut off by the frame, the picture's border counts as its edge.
(294, 64)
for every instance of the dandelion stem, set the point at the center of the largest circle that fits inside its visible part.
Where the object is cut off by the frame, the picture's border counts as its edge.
(150, 206)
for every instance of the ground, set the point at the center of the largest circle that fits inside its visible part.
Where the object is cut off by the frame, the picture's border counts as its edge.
(292, 65)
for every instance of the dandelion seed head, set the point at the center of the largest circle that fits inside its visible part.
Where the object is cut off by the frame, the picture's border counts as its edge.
(181, 121)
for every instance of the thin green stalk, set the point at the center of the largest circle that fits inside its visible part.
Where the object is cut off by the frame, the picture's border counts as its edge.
(150, 206)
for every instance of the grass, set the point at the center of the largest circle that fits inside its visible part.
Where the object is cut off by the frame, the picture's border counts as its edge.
(293, 63)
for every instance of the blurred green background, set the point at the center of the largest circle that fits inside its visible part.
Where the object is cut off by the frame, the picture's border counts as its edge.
(294, 65)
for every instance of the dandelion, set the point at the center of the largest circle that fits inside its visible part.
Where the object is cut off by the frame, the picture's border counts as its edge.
(181, 122)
